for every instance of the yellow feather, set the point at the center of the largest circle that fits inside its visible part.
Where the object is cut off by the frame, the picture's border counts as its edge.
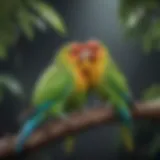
(69, 144)
(127, 137)
(98, 69)
(81, 82)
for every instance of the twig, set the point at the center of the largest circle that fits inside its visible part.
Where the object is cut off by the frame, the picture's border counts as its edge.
(77, 122)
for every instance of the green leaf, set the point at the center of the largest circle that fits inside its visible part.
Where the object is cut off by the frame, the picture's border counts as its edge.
(148, 22)
(152, 93)
(17, 15)
(3, 52)
(50, 15)
(25, 21)
(8, 81)
(8, 32)
(40, 24)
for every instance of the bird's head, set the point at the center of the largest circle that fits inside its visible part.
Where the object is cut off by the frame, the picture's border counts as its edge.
(87, 57)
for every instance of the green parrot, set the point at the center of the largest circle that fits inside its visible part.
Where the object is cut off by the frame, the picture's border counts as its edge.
(111, 85)
(61, 88)
(78, 69)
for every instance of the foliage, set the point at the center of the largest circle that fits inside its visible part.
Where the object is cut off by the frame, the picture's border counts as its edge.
(141, 18)
(10, 83)
(18, 16)
(152, 93)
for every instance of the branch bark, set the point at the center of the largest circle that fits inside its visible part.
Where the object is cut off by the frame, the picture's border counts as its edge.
(76, 122)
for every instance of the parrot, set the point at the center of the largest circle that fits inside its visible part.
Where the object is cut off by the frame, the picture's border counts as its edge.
(77, 70)
(61, 88)
(110, 84)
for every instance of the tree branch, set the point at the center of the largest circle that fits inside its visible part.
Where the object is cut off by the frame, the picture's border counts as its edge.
(76, 122)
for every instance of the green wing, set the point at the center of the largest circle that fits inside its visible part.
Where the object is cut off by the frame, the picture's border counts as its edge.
(51, 92)
(55, 85)
(114, 88)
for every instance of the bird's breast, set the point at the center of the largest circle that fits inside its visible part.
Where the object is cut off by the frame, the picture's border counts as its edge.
(97, 72)
(80, 81)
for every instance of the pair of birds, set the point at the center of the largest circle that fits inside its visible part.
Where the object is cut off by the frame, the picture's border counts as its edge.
(79, 68)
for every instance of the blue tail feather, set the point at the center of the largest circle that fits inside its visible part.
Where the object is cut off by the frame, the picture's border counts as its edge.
(129, 99)
(27, 130)
(32, 124)
(125, 116)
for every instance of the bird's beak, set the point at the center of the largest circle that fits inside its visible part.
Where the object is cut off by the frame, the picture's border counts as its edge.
(85, 59)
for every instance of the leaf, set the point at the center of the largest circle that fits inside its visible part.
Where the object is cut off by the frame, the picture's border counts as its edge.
(8, 33)
(40, 24)
(152, 93)
(50, 15)
(135, 17)
(12, 84)
(147, 22)
(25, 21)
(18, 15)
(3, 52)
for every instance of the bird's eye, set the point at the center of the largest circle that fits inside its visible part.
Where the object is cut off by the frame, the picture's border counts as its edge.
(75, 49)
